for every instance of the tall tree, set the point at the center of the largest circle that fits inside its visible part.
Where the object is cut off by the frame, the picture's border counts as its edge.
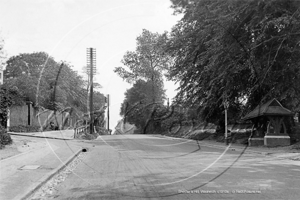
(245, 51)
(24, 72)
(147, 62)
(137, 106)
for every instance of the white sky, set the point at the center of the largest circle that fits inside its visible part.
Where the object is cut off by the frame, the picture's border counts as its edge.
(66, 28)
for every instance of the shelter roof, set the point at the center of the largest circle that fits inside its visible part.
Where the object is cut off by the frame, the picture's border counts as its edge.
(271, 108)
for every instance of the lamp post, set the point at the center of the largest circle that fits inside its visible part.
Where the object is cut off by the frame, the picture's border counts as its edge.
(226, 105)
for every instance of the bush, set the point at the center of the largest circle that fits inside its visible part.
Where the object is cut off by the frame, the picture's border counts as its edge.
(5, 138)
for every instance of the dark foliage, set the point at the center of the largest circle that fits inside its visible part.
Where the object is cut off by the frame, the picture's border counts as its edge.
(5, 138)
(242, 51)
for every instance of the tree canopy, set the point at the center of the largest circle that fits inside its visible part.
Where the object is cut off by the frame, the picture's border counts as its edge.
(148, 60)
(144, 68)
(47, 83)
(244, 51)
(138, 106)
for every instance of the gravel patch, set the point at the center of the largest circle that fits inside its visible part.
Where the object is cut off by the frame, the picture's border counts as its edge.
(48, 190)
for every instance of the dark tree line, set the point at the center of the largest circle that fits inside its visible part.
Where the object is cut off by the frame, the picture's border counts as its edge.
(245, 51)
(143, 68)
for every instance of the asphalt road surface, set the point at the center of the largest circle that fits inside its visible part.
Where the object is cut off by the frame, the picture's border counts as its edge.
(153, 167)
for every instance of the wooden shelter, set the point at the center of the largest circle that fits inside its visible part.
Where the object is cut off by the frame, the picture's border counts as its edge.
(268, 124)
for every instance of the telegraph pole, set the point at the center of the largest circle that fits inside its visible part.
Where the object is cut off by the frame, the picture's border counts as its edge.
(91, 61)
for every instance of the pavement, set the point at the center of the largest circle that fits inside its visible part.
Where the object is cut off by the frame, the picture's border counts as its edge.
(28, 170)
(37, 158)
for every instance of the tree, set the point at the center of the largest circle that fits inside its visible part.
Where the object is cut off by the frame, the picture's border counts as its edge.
(5, 102)
(24, 73)
(244, 51)
(98, 100)
(8, 96)
(137, 106)
(145, 67)
(69, 86)
(147, 62)
(6, 99)
(47, 83)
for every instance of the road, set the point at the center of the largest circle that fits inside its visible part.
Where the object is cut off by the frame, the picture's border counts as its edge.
(152, 167)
